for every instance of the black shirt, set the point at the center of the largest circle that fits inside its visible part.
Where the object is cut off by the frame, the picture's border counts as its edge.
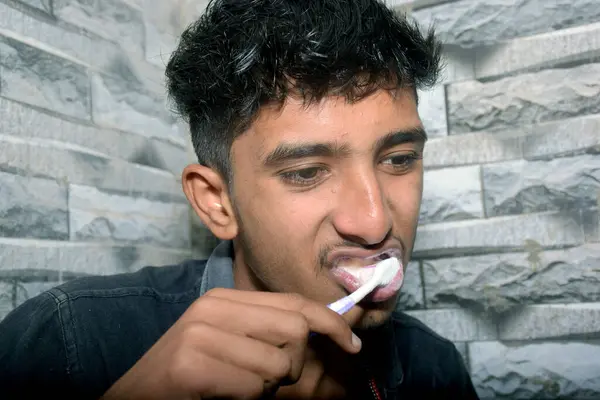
(76, 340)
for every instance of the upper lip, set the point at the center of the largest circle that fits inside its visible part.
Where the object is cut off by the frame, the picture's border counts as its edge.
(339, 254)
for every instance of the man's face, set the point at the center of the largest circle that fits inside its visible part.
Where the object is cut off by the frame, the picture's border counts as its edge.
(314, 186)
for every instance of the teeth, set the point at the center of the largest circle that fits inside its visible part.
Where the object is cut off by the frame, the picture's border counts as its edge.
(361, 274)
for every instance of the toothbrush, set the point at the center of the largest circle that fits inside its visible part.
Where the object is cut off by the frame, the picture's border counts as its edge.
(384, 273)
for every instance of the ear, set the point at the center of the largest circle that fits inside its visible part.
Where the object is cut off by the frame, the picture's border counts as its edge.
(207, 193)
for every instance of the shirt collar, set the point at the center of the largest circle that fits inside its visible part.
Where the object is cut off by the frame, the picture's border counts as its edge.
(219, 274)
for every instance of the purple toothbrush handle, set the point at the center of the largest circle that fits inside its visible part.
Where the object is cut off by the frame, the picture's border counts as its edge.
(342, 306)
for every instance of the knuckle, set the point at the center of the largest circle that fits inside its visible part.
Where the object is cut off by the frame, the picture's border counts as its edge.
(280, 365)
(205, 304)
(299, 327)
(193, 332)
(216, 292)
(296, 301)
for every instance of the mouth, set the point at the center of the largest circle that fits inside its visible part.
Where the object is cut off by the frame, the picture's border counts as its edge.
(353, 272)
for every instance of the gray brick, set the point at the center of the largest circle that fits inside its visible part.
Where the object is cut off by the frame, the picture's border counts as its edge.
(498, 234)
(35, 77)
(203, 242)
(472, 23)
(556, 321)
(590, 220)
(432, 110)
(459, 64)
(42, 5)
(32, 208)
(525, 99)
(94, 52)
(502, 282)
(27, 290)
(540, 141)
(101, 216)
(411, 294)
(6, 299)
(451, 194)
(113, 20)
(124, 105)
(457, 325)
(519, 187)
(540, 370)
(562, 138)
(72, 164)
(472, 148)
(19, 120)
(414, 4)
(462, 348)
(560, 47)
(39, 261)
(161, 32)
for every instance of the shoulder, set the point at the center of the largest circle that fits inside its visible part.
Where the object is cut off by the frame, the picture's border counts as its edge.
(169, 282)
(424, 350)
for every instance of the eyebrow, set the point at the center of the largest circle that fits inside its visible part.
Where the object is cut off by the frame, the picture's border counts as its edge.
(286, 152)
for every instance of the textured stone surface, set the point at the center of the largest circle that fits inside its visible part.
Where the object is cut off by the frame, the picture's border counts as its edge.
(540, 370)
(553, 321)
(32, 76)
(459, 64)
(498, 234)
(114, 20)
(451, 194)
(462, 348)
(414, 4)
(100, 216)
(519, 187)
(127, 106)
(432, 110)
(6, 299)
(42, 5)
(19, 120)
(590, 220)
(540, 51)
(36, 260)
(500, 282)
(472, 148)
(411, 294)
(32, 208)
(541, 141)
(475, 22)
(524, 99)
(26, 290)
(562, 138)
(72, 164)
(457, 324)
(96, 52)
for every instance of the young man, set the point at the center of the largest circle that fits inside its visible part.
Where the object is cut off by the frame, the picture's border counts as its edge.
(304, 119)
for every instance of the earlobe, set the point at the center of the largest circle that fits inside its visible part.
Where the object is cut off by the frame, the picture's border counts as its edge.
(207, 193)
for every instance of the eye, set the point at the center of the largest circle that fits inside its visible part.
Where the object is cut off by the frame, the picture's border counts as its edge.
(401, 162)
(305, 176)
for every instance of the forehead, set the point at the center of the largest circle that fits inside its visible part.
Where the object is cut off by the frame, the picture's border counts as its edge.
(332, 119)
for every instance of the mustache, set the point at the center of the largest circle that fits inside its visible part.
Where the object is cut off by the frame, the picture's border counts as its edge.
(322, 257)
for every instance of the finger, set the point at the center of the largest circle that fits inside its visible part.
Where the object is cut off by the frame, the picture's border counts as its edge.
(320, 318)
(226, 380)
(284, 329)
(269, 362)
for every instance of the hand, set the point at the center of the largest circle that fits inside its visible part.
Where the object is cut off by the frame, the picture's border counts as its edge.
(232, 344)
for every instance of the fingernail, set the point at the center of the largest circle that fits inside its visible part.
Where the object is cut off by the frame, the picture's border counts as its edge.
(356, 342)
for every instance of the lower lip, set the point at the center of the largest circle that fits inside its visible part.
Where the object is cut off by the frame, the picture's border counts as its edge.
(380, 294)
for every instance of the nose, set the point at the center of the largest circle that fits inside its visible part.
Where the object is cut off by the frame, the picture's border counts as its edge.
(362, 214)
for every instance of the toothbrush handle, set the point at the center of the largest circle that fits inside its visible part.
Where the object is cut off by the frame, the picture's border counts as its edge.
(343, 305)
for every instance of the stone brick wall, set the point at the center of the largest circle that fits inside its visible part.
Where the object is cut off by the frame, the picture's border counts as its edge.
(507, 259)
(90, 156)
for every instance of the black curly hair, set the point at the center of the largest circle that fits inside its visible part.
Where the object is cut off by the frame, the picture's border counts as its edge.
(242, 54)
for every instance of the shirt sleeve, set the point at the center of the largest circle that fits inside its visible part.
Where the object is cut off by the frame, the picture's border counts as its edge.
(33, 357)
(461, 385)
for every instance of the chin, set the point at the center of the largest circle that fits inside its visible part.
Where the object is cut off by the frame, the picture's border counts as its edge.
(371, 315)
